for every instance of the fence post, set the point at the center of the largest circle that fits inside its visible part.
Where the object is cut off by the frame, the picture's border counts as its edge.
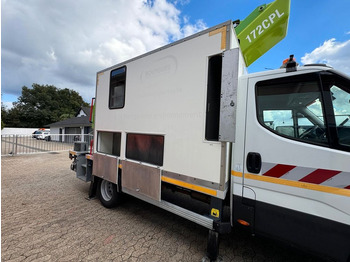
(13, 145)
(16, 144)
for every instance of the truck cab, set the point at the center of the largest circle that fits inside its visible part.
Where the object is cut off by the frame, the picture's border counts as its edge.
(293, 179)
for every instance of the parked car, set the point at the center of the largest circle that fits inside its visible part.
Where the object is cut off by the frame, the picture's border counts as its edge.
(43, 135)
(36, 133)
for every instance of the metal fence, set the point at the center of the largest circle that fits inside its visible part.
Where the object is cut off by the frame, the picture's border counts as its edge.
(29, 144)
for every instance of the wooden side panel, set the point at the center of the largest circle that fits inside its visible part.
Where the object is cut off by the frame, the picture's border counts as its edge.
(105, 167)
(141, 179)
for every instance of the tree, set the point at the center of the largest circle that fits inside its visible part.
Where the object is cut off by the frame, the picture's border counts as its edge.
(42, 105)
(3, 115)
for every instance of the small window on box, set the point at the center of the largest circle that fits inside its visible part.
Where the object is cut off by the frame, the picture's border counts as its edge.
(109, 143)
(145, 148)
(117, 88)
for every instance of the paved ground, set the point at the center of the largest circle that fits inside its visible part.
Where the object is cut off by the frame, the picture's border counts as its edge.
(45, 217)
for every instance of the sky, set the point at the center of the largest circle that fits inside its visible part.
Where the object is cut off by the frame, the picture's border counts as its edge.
(64, 42)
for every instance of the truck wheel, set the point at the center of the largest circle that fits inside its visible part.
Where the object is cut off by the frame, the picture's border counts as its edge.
(108, 194)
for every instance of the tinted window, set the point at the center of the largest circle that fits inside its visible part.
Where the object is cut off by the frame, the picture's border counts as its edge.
(117, 88)
(145, 148)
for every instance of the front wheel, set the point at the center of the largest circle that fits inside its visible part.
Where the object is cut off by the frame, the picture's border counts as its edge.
(108, 194)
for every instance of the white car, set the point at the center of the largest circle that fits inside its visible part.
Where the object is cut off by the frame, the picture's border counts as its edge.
(43, 135)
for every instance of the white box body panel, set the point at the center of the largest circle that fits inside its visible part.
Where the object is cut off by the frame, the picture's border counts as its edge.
(165, 94)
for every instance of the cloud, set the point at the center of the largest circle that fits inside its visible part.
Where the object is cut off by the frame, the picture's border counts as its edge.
(181, 2)
(331, 52)
(7, 105)
(64, 42)
(190, 29)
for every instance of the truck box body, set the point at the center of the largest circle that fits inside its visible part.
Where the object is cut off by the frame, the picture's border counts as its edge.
(166, 98)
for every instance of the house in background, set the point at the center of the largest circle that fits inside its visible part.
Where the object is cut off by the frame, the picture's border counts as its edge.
(75, 128)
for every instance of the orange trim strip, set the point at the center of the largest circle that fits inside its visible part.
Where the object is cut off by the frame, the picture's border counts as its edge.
(285, 182)
(205, 190)
(98, 77)
(237, 174)
(221, 30)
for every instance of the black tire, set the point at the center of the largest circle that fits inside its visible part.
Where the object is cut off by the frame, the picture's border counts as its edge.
(108, 194)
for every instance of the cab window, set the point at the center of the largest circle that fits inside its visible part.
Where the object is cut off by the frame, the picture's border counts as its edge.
(292, 107)
(339, 92)
(341, 108)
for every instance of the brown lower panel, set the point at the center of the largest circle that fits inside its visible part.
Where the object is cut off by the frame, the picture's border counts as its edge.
(105, 167)
(141, 179)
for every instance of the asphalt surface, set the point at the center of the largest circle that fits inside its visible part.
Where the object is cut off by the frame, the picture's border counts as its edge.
(45, 216)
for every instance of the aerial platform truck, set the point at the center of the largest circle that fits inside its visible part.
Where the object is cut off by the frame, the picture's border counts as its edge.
(185, 128)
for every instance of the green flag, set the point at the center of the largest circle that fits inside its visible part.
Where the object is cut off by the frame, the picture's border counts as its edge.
(262, 29)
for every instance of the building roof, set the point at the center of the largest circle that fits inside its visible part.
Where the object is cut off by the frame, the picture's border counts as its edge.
(86, 110)
(73, 122)
(76, 121)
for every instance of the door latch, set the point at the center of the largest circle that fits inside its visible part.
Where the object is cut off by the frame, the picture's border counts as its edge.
(254, 162)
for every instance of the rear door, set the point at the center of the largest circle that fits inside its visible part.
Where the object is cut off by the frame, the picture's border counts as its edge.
(297, 157)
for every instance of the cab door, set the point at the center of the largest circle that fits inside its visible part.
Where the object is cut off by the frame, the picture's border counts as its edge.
(297, 158)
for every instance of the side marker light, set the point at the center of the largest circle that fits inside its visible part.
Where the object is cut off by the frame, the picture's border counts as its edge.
(243, 222)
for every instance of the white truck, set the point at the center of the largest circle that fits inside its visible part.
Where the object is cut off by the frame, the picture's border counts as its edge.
(185, 128)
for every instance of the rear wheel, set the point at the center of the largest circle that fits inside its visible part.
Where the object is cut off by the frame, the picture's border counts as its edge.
(108, 194)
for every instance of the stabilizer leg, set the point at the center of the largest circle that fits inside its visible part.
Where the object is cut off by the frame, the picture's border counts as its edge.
(213, 245)
(93, 188)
